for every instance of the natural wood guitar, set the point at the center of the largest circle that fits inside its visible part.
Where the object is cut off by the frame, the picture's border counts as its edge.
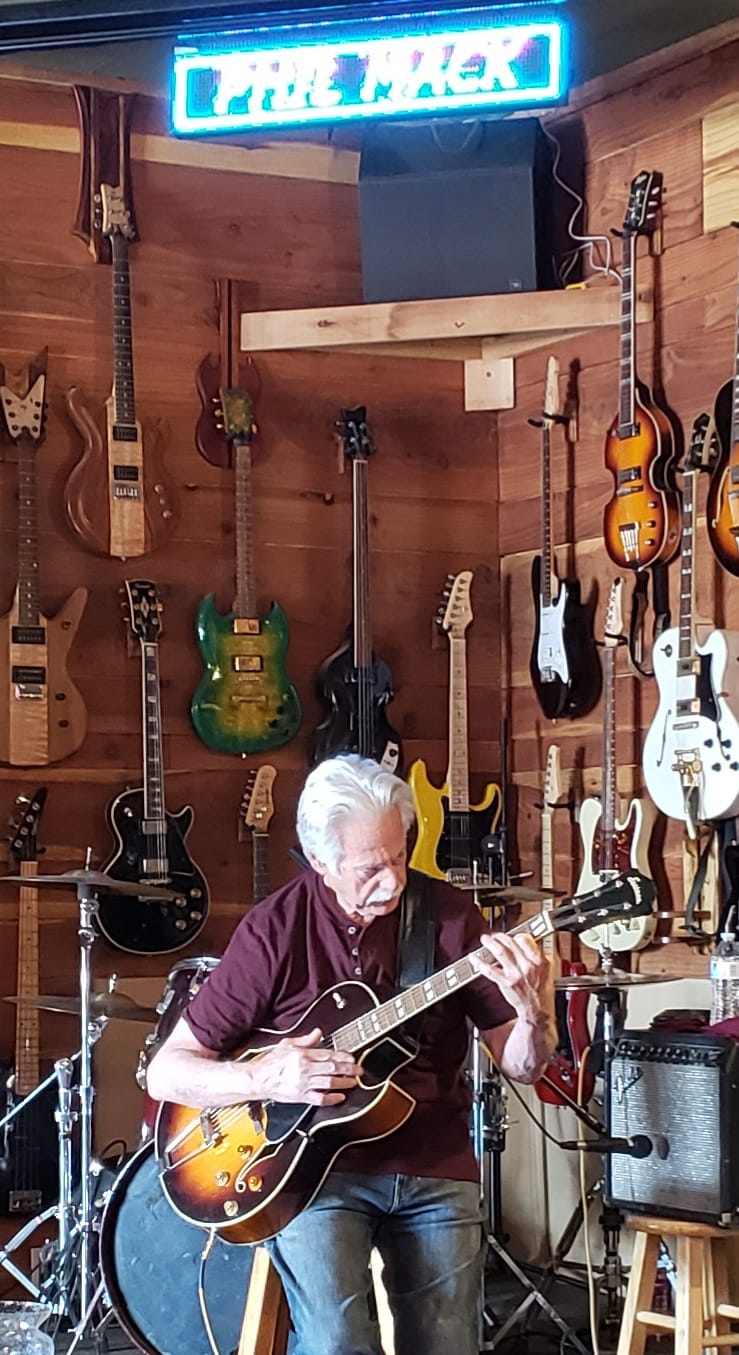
(250, 1169)
(119, 500)
(42, 714)
(450, 829)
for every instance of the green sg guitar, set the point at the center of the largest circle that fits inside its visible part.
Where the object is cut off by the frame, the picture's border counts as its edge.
(244, 703)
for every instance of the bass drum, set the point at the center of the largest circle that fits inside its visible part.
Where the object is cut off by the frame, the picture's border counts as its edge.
(150, 1260)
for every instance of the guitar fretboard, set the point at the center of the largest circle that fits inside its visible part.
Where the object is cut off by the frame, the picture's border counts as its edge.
(546, 516)
(687, 548)
(245, 603)
(123, 387)
(260, 866)
(362, 626)
(28, 561)
(608, 820)
(458, 778)
(152, 733)
(627, 369)
(27, 1060)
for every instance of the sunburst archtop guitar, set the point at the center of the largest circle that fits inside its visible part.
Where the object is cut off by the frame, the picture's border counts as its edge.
(245, 702)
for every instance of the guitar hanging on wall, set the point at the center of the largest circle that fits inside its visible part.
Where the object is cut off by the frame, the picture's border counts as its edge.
(357, 686)
(118, 499)
(612, 844)
(641, 521)
(150, 842)
(247, 1170)
(564, 664)
(42, 714)
(563, 1079)
(29, 1176)
(257, 808)
(722, 503)
(245, 702)
(691, 751)
(450, 830)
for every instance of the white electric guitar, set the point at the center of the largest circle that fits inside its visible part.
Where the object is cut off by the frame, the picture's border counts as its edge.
(691, 752)
(612, 844)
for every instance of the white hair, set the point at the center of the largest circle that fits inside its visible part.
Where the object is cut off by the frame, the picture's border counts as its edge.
(347, 787)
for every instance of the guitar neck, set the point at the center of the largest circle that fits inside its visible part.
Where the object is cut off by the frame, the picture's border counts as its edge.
(546, 516)
(608, 792)
(687, 583)
(362, 626)
(245, 604)
(28, 548)
(27, 1055)
(735, 384)
(124, 401)
(458, 777)
(260, 866)
(627, 363)
(153, 754)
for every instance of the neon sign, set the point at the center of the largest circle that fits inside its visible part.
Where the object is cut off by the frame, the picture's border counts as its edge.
(460, 61)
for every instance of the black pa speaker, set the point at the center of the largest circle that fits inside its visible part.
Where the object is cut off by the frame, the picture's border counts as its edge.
(455, 209)
(682, 1092)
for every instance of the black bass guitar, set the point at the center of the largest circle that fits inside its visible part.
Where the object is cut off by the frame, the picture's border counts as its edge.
(29, 1174)
(356, 686)
(564, 663)
(151, 843)
(247, 1170)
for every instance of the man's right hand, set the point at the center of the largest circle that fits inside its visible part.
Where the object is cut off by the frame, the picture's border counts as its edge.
(300, 1068)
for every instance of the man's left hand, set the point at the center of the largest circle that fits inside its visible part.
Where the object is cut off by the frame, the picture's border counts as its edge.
(523, 974)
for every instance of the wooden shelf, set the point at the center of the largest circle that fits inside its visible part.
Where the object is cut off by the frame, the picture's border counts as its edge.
(486, 333)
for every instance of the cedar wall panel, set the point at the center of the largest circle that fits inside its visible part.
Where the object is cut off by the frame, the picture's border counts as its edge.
(688, 352)
(433, 485)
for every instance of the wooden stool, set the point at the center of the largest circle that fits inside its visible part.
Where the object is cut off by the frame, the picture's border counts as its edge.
(703, 1314)
(266, 1324)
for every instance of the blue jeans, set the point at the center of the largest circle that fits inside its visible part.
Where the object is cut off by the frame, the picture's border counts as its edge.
(429, 1234)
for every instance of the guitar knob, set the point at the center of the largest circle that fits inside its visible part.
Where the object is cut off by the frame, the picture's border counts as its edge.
(180, 924)
(715, 766)
(708, 743)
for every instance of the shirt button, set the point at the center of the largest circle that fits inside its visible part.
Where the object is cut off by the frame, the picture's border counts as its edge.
(355, 950)
(351, 930)
(358, 969)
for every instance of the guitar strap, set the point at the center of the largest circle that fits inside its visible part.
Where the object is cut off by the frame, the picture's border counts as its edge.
(639, 604)
(416, 932)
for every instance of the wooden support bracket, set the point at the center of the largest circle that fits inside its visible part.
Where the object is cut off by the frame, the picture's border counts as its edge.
(489, 384)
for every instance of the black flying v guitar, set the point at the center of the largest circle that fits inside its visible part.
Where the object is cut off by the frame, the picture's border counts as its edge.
(249, 1169)
(356, 686)
(151, 843)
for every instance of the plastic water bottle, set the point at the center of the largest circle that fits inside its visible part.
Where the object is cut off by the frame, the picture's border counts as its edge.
(724, 971)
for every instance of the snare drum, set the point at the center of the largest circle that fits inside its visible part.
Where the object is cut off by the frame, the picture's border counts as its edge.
(184, 980)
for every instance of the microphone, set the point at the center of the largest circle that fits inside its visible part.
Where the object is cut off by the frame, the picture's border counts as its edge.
(637, 1145)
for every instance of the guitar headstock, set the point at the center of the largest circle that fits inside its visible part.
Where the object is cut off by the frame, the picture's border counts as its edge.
(455, 611)
(702, 449)
(144, 610)
(355, 434)
(645, 200)
(237, 414)
(257, 805)
(552, 778)
(625, 896)
(24, 415)
(551, 391)
(115, 216)
(614, 615)
(24, 826)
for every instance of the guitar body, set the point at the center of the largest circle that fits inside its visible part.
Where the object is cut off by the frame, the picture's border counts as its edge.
(209, 438)
(141, 926)
(449, 840)
(564, 663)
(119, 500)
(244, 703)
(29, 1168)
(706, 740)
(722, 501)
(43, 717)
(562, 1078)
(629, 851)
(641, 522)
(269, 1159)
(357, 717)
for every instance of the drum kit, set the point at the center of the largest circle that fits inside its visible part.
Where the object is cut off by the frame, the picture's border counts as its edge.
(121, 1251)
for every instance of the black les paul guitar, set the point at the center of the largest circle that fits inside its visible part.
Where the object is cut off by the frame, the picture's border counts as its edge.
(356, 686)
(28, 1151)
(151, 843)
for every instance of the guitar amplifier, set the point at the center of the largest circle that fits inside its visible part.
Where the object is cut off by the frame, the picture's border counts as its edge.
(682, 1092)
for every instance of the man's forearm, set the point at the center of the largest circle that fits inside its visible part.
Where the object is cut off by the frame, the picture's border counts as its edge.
(523, 1048)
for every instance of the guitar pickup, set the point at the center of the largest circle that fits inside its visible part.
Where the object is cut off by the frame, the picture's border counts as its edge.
(125, 432)
(28, 635)
(629, 473)
(154, 865)
(247, 663)
(123, 472)
(244, 625)
(29, 683)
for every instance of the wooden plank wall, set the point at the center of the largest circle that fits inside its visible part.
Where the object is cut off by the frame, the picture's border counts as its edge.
(291, 242)
(689, 351)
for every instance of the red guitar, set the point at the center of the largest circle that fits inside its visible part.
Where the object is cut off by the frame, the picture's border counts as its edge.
(561, 1080)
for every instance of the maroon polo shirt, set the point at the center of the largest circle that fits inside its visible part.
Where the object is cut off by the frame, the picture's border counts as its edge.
(298, 942)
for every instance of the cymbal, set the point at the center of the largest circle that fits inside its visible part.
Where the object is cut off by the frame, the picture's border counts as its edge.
(112, 1006)
(94, 879)
(598, 979)
(512, 893)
